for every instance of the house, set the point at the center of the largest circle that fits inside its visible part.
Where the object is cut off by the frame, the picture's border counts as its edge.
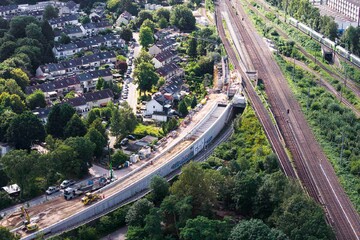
(170, 70)
(42, 114)
(89, 80)
(99, 98)
(71, 31)
(53, 90)
(79, 103)
(124, 19)
(151, 7)
(153, 106)
(159, 116)
(69, 7)
(172, 86)
(95, 27)
(163, 33)
(61, 68)
(163, 58)
(7, 10)
(62, 21)
(162, 45)
(65, 50)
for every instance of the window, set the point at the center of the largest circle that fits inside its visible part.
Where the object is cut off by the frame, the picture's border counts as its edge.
(153, 106)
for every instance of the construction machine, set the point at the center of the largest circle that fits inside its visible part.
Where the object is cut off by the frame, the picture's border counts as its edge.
(89, 198)
(28, 225)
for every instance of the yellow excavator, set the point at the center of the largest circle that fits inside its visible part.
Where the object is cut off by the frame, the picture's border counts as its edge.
(89, 198)
(28, 225)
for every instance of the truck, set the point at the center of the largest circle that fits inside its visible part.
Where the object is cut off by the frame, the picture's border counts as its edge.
(91, 185)
(89, 198)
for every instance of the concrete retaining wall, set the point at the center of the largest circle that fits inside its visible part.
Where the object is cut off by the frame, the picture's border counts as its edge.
(162, 170)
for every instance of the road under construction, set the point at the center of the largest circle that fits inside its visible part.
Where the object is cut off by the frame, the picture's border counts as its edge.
(309, 164)
(192, 139)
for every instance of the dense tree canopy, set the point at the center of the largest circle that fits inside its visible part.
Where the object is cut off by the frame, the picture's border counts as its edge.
(146, 76)
(182, 17)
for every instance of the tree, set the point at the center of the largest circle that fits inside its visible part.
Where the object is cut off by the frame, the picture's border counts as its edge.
(47, 31)
(19, 76)
(85, 19)
(162, 23)
(128, 119)
(302, 218)
(204, 228)
(138, 211)
(59, 116)
(160, 189)
(162, 13)
(182, 109)
(84, 150)
(142, 16)
(331, 30)
(100, 83)
(7, 49)
(36, 99)
(115, 123)
(182, 17)
(24, 129)
(96, 137)
(150, 24)
(98, 125)
(146, 76)
(18, 25)
(50, 12)
(192, 46)
(4, 24)
(88, 233)
(126, 34)
(93, 114)
(64, 39)
(246, 186)
(6, 117)
(197, 2)
(197, 183)
(146, 37)
(18, 166)
(6, 234)
(255, 229)
(119, 158)
(12, 102)
(75, 127)
(65, 160)
(153, 224)
(194, 102)
(144, 56)
(34, 31)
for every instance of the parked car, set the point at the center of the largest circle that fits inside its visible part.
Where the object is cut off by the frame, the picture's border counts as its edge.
(131, 137)
(52, 189)
(124, 142)
(67, 183)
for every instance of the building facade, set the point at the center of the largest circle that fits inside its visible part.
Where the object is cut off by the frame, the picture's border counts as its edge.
(349, 8)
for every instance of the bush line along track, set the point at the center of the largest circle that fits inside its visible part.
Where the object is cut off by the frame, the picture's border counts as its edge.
(349, 83)
(312, 166)
(260, 110)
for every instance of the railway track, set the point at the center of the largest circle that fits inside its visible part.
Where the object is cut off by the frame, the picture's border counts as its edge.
(351, 85)
(312, 166)
(260, 110)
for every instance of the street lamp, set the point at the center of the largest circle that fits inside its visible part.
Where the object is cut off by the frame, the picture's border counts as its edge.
(110, 163)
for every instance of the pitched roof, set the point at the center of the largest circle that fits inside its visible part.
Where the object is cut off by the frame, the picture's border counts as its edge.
(102, 24)
(66, 47)
(167, 69)
(165, 43)
(68, 30)
(99, 95)
(78, 101)
(165, 55)
(94, 74)
(41, 112)
(8, 8)
(126, 15)
(63, 19)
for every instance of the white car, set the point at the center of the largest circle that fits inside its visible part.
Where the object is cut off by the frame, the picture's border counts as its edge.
(67, 183)
(52, 190)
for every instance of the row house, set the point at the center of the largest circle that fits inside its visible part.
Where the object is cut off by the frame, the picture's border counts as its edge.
(57, 69)
(163, 58)
(72, 31)
(42, 114)
(8, 10)
(94, 28)
(67, 50)
(162, 45)
(61, 22)
(170, 70)
(53, 90)
(89, 80)
(87, 101)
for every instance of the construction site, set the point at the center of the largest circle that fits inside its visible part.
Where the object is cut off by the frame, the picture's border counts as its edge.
(202, 127)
